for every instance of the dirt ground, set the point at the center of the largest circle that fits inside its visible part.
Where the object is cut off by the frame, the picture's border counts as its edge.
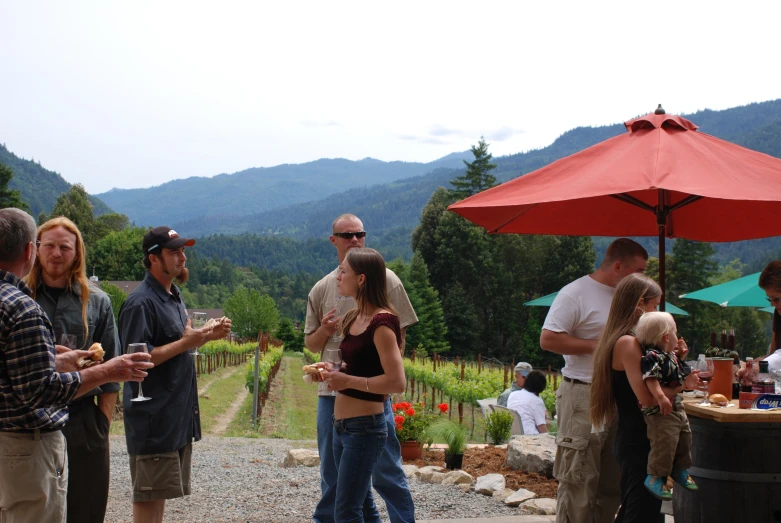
(479, 462)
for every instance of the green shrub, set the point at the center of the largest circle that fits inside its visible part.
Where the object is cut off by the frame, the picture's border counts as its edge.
(453, 434)
(498, 426)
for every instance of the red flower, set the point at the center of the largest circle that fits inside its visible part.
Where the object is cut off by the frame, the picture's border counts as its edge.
(442, 407)
(399, 420)
(410, 412)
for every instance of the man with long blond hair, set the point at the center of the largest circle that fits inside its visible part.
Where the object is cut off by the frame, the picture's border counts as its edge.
(585, 467)
(78, 308)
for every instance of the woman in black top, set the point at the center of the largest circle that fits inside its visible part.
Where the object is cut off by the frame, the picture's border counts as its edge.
(618, 386)
(372, 369)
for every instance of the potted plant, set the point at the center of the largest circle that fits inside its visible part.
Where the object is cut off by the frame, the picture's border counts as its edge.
(498, 426)
(411, 420)
(455, 436)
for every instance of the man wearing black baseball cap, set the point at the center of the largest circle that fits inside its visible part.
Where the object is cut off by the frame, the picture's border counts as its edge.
(160, 432)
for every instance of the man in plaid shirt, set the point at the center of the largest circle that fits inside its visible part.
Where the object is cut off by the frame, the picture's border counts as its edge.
(36, 383)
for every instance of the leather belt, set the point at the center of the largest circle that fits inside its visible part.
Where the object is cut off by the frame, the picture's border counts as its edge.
(574, 381)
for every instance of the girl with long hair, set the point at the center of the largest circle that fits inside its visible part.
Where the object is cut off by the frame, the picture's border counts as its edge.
(618, 386)
(372, 369)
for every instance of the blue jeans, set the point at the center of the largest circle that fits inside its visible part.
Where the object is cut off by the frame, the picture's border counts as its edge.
(388, 480)
(358, 444)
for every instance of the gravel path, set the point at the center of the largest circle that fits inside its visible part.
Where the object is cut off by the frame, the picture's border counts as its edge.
(238, 479)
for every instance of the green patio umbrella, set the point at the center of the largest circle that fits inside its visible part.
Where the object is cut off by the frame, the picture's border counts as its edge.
(546, 301)
(742, 292)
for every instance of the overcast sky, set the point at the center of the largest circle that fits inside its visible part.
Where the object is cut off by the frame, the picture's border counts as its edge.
(133, 94)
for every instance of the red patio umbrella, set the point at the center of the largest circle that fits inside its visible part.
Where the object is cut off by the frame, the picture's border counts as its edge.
(661, 178)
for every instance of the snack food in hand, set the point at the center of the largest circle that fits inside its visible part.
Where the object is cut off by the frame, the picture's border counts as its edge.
(311, 369)
(95, 355)
(719, 399)
(214, 322)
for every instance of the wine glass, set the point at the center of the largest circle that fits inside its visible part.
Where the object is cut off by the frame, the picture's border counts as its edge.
(705, 366)
(334, 359)
(199, 320)
(68, 340)
(132, 348)
(340, 305)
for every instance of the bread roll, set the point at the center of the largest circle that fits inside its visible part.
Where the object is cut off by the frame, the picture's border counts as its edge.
(719, 399)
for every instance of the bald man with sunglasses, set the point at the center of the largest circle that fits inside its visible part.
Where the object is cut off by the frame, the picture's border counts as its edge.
(389, 479)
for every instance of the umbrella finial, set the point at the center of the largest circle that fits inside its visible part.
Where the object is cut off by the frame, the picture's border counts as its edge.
(659, 110)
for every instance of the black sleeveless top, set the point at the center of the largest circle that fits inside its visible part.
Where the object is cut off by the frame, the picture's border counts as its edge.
(361, 357)
(632, 435)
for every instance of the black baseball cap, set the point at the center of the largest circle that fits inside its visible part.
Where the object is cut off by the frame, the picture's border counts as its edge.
(164, 238)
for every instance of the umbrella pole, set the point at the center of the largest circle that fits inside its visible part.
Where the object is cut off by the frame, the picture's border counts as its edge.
(661, 269)
(661, 222)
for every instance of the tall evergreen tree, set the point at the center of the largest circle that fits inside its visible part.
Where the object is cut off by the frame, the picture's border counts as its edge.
(430, 331)
(8, 197)
(478, 175)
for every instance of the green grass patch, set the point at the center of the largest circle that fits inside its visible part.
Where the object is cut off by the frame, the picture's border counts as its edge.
(241, 425)
(291, 411)
(218, 399)
(118, 426)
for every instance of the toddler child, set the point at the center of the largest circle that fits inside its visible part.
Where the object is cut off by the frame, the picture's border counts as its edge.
(668, 426)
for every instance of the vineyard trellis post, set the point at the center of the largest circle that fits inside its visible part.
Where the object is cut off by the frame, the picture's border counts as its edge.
(255, 391)
(460, 404)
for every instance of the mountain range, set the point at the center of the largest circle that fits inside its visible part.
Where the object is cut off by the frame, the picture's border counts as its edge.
(300, 201)
(268, 188)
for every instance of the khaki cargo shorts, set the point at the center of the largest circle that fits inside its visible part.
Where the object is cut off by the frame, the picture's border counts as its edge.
(161, 476)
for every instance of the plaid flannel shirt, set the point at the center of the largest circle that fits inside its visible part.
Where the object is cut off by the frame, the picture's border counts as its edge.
(33, 395)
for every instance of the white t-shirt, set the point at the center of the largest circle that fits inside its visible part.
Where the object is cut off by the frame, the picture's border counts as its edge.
(774, 362)
(580, 309)
(530, 407)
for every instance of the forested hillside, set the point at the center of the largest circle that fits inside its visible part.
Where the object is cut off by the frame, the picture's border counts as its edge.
(40, 187)
(227, 197)
(756, 126)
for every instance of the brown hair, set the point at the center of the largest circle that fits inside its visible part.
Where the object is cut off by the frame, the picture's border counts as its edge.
(623, 250)
(770, 279)
(78, 271)
(625, 310)
(373, 292)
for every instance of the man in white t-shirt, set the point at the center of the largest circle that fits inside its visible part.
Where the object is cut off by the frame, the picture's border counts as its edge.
(585, 467)
(527, 403)
(389, 479)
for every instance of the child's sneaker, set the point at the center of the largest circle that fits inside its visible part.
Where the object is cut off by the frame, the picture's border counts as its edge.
(658, 487)
(683, 478)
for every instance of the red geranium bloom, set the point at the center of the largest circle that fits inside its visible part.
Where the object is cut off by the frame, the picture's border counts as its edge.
(399, 420)
(442, 407)
(410, 412)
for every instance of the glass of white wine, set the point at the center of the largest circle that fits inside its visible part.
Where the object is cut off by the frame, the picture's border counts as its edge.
(334, 359)
(199, 320)
(132, 348)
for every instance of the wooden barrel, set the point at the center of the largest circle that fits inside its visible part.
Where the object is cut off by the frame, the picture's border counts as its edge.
(737, 467)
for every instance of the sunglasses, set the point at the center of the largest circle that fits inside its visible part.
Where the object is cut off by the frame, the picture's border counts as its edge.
(773, 301)
(349, 235)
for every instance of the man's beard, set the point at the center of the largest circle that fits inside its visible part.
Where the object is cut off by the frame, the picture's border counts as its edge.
(183, 276)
